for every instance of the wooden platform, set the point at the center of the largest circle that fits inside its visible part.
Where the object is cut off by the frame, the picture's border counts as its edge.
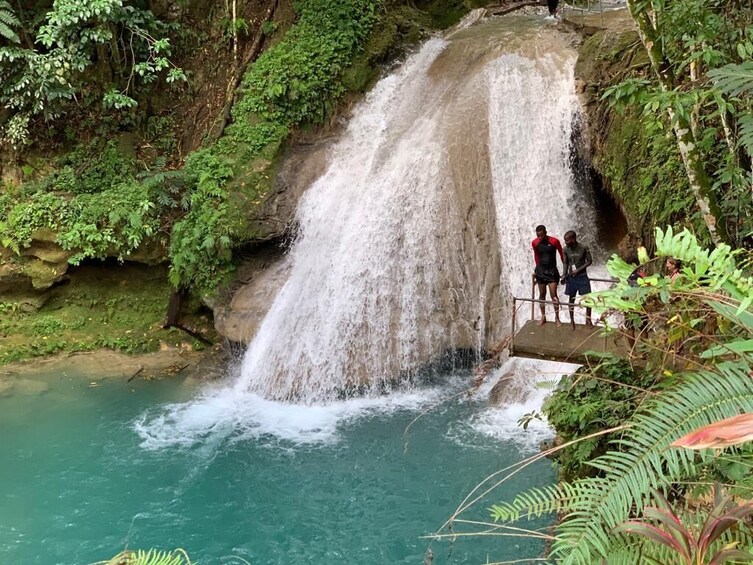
(563, 343)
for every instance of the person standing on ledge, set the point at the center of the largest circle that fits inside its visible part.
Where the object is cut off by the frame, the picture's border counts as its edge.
(576, 281)
(545, 274)
(552, 5)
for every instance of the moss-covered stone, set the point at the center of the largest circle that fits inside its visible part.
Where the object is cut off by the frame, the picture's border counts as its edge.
(121, 307)
(642, 168)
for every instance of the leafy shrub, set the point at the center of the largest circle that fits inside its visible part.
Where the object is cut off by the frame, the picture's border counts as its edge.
(42, 79)
(593, 399)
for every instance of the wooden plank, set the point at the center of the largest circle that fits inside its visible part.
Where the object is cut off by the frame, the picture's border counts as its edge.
(563, 343)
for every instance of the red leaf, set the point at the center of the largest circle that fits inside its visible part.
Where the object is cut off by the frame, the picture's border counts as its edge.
(723, 433)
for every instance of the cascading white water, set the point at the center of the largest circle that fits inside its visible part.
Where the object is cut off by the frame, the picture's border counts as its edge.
(444, 171)
(530, 139)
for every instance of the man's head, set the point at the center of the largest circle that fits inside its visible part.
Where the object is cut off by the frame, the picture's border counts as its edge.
(571, 240)
(540, 231)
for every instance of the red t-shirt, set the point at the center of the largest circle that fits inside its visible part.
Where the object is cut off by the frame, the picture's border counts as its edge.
(545, 252)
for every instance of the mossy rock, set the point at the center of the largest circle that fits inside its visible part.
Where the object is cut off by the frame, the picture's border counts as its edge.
(641, 169)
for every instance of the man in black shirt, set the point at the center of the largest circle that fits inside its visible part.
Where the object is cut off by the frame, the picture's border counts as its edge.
(575, 279)
(545, 249)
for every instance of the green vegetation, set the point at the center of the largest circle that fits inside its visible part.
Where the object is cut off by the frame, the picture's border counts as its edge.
(696, 357)
(102, 199)
(675, 94)
(595, 398)
(50, 59)
(292, 84)
(93, 202)
(122, 309)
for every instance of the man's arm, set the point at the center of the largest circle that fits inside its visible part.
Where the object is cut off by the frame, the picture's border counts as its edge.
(556, 242)
(535, 252)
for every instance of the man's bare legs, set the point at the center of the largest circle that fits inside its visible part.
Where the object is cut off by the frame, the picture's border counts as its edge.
(571, 307)
(556, 300)
(553, 294)
(542, 306)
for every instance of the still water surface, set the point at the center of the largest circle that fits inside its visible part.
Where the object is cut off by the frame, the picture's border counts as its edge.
(82, 477)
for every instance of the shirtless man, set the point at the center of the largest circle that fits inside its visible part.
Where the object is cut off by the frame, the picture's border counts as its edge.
(545, 249)
(575, 279)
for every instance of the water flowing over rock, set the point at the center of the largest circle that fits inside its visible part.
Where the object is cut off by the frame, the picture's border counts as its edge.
(411, 242)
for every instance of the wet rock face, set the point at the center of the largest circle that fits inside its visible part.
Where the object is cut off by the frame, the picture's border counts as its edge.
(300, 167)
(238, 317)
(239, 320)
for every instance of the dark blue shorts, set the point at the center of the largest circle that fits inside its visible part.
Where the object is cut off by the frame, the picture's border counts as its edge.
(577, 285)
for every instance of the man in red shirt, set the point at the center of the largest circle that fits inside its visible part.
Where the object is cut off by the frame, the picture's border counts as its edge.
(546, 274)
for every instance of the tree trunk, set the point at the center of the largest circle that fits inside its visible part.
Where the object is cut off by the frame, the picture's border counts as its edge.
(700, 184)
(239, 70)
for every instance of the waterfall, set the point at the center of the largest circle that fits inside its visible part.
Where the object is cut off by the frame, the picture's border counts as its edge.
(411, 242)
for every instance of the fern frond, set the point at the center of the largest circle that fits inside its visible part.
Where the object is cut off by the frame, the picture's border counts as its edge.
(745, 123)
(538, 501)
(8, 33)
(594, 506)
(8, 21)
(734, 79)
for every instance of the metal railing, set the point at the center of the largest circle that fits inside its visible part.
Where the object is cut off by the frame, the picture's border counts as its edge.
(533, 300)
(593, 7)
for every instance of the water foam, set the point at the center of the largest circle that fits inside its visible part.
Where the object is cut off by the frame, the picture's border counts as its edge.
(225, 415)
(530, 381)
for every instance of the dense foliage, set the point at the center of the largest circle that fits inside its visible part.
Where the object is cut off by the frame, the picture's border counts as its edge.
(50, 58)
(711, 121)
(293, 83)
(102, 201)
(595, 398)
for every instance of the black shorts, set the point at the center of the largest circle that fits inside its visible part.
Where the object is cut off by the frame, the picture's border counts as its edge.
(546, 276)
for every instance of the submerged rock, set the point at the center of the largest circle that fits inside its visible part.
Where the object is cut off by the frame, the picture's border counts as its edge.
(6, 385)
(29, 387)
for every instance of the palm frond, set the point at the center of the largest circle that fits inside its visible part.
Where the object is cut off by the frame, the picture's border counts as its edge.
(734, 79)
